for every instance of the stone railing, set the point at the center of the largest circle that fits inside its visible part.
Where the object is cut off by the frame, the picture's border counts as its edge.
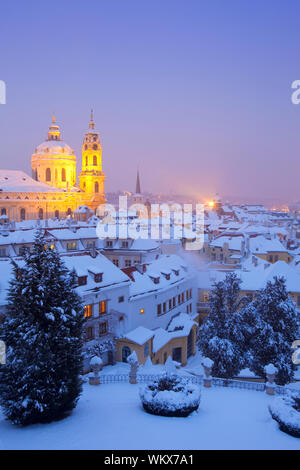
(197, 380)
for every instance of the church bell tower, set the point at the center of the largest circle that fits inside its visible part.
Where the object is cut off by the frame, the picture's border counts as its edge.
(91, 178)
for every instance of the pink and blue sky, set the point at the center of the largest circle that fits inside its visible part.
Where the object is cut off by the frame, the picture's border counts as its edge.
(197, 93)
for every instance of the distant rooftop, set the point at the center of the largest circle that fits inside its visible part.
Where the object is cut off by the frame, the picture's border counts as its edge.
(18, 181)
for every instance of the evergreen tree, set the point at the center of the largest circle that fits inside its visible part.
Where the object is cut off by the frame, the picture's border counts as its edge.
(42, 330)
(220, 336)
(274, 330)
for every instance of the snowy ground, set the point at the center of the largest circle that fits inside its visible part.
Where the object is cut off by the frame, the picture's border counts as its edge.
(111, 417)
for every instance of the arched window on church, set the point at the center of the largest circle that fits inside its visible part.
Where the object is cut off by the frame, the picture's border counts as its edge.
(56, 214)
(22, 214)
(48, 174)
(69, 211)
(3, 211)
(96, 187)
(86, 161)
(95, 160)
(41, 213)
(63, 174)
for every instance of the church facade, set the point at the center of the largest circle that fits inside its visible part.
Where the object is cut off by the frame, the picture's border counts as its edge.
(52, 191)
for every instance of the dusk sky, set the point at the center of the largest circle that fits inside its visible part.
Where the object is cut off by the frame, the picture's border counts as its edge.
(196, 93)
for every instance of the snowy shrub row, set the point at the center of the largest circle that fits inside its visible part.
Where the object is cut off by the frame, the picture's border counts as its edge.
(286, 411)
(170, 396)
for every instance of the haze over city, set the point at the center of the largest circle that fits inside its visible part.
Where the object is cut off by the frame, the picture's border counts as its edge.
(197, 94)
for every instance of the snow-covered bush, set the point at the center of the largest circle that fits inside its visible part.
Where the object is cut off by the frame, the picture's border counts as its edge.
(286, 411)
(170, 396)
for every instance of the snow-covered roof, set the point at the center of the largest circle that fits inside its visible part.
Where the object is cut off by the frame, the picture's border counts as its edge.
(18, 181)
(139, 335)
(234, 243)
(19, 237)
(82, 210)
(76, 234)
(144, 283)
(85, 265)
(263, 245)
(179, 326)
(258, 277)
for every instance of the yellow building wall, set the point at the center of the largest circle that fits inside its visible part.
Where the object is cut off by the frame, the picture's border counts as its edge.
(56, 163)
(160, 356)
(276, 256)
(120, 343)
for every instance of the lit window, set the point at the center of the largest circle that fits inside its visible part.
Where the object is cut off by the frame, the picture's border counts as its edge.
(88, 311)
(146, 350)
(102, 307)
(142, 310)
(71, 245)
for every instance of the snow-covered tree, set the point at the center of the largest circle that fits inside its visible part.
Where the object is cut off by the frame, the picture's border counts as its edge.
(42, 330)
(220, 336)
(274, 330)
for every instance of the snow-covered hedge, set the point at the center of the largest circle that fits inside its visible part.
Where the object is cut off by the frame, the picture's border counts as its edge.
(286, 411)
(170, 396)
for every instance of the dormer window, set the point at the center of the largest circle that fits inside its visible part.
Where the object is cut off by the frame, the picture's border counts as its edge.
(176, 272)
(167, 275)
(109, 244)
(98, 277)
(155, 279)
(82, 280)
(125, 244)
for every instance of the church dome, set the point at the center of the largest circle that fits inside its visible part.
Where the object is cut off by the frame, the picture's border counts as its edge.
(54, 147)
(54, 161)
